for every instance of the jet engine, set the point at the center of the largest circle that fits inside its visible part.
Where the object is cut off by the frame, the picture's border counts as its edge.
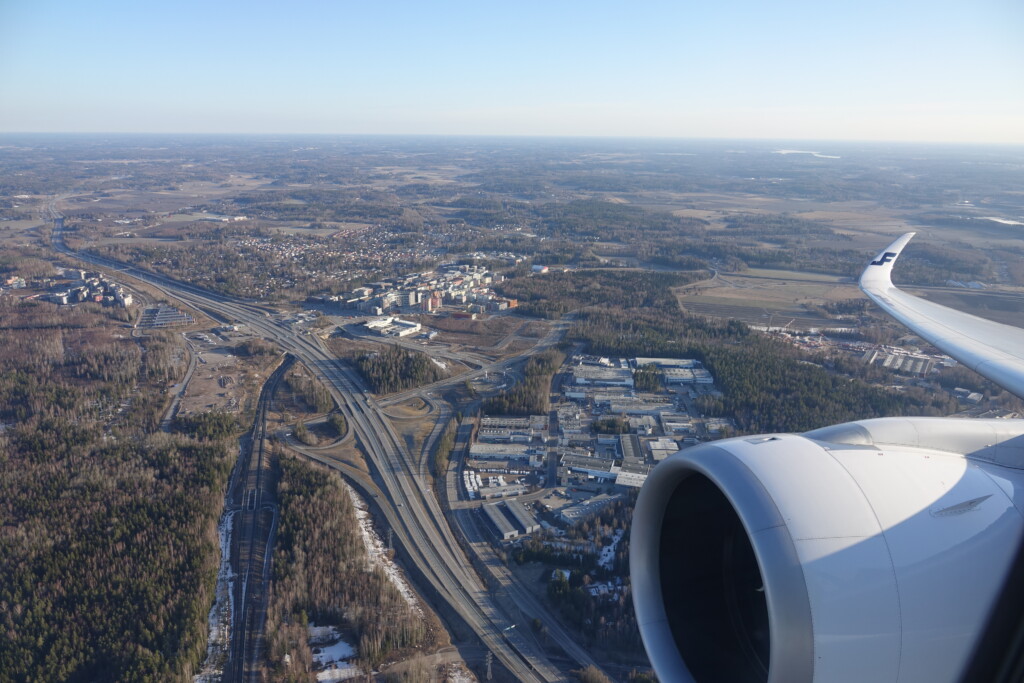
(868, 551)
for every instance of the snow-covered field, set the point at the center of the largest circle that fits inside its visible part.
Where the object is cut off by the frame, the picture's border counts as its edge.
(375, 548)
(608, 552)
(460, 676)
(333, 656)
(219, 640)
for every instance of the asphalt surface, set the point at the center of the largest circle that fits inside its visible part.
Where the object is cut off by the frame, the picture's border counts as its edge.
(417, 517)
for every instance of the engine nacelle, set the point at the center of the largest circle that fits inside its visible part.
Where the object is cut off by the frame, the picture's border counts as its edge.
(827, 556)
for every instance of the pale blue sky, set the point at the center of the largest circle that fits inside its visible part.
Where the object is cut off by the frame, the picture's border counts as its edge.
(928, 70)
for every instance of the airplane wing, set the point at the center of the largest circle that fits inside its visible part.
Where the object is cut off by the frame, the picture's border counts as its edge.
(991, 349)
(840, 554)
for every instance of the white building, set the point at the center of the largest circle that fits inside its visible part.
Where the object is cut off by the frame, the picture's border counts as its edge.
(596, 375)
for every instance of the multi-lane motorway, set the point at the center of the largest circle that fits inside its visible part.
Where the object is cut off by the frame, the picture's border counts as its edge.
(431, 546)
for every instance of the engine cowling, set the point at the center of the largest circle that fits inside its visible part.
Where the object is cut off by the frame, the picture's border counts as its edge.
(863, 552)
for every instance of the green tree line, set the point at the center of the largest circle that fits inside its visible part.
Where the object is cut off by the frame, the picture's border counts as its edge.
(531, 396)
(322, 574)
(396, 369)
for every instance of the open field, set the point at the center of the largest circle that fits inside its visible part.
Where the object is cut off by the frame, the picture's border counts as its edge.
(481, 334)
(222, 381)
(413, 409)
(1002, 306)
(763, 316)
(18, 226)
(787, 275)
(771, 298)
(764, 290)
(765, 297)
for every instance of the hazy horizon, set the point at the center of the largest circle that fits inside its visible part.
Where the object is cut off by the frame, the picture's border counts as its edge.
(932, 72)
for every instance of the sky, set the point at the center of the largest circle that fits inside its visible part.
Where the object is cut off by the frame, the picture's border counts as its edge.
(895, 70)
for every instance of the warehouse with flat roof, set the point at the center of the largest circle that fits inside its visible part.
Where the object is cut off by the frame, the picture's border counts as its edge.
(601, 376)
(523, 516)
(499, 451)
(501, 524)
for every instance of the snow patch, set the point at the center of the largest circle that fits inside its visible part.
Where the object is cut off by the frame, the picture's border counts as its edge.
(333, 654)
(345, 672)
(440, 364)
(337, 652)
(460, 676)
(608, 552)
(378, 556)
(218, 642)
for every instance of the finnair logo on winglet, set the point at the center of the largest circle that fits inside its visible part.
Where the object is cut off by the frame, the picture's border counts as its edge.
(885, 258)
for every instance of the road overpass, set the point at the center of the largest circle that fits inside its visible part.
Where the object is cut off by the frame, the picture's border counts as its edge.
(417, 515)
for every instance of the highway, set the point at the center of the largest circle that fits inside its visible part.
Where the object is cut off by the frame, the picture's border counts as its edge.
(418, 519)
(554, 335)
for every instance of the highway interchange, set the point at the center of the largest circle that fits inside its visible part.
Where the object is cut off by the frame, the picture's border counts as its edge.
(415, 515)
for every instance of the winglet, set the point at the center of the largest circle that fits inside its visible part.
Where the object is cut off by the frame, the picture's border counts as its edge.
(877, 276)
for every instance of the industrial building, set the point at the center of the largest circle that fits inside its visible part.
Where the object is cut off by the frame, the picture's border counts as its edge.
(652, 406)
(596, 375)
(532, 422)
(629, 445)
(501, 524)
(687, 376)
(586, 466)
(633, 473)
(501, 491)
(906, 363)
(676, 423)
(499, 451)
(523, 516)
(393, 327)
(574, 513)
(662, 448)
(663, 363)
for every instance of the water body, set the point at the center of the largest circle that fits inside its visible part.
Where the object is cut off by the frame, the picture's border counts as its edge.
(1004, 221)
(802, 151)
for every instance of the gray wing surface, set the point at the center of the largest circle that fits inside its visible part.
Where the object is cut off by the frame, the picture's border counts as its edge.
(992, 349)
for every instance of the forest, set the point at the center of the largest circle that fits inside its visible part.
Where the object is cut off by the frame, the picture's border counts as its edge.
(444, 449)
(109, 545)
(767, 385)
(531, 396)
(553, 294)
(312, 393)
(396, 369)
(322, 575)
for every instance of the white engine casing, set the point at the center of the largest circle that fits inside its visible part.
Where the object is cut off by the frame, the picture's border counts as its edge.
(881, 546)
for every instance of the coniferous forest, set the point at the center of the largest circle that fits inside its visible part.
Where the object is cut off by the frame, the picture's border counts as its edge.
(531, 396)
(322, 575)
(396, 369)
(108, 550)
(767, 386)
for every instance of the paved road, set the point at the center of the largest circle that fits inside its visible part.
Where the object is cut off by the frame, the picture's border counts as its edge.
(552, 338)
(417, 516)
(179, 390)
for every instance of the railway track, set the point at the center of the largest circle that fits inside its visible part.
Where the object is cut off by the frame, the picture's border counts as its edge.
(252, 497)
(431, 543)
